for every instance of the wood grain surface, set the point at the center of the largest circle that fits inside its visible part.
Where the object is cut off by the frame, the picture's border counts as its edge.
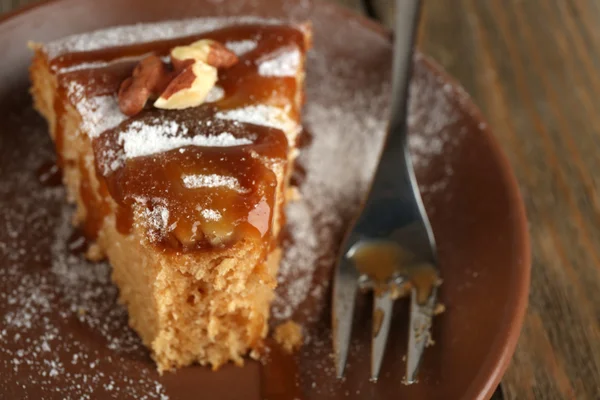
(533, 67)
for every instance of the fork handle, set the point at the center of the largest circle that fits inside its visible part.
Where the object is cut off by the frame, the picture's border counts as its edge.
(394, 185)
(405, 28)
(395, 149)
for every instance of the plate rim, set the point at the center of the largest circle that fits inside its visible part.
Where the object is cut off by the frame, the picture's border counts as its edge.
(517, 306)
(491, 373)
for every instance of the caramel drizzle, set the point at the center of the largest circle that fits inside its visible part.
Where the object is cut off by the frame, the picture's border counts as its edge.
(157, 178)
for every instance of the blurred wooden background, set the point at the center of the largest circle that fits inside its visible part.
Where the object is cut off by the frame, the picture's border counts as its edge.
(533, 66)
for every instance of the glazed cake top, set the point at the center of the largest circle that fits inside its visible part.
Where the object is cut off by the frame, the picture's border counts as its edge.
(147, 32)
(204, 176)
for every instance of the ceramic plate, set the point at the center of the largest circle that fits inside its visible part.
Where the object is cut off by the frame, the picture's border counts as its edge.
(62, 333)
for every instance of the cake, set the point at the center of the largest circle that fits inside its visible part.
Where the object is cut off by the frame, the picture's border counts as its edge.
(176, 142)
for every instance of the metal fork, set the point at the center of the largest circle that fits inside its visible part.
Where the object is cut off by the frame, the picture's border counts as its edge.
(393, 217)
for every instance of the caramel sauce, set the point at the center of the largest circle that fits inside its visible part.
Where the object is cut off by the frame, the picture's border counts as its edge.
(266, 35)
(424, 278)
(59, 130)
(379, 260)
(383, 261)
(280, 374)
(205, 215)
(97, 208)
(244, 208)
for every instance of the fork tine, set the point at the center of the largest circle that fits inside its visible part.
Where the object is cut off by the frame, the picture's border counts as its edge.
(419, 332)
(382, 315)
(344, 295)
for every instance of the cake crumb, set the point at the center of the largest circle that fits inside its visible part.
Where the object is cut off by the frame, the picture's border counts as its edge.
(402, 290)
(439, 309)
(430, 342)
(293, 194)
(289, 336)
(94, 253)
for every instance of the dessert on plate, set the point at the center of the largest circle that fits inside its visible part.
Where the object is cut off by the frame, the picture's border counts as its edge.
(176, 143)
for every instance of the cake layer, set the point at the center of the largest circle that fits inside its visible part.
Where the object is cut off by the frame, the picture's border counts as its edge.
(186, 204)
(254, 111)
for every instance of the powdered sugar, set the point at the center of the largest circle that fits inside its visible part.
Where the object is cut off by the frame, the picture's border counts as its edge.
(81, 66)
(283, 64)
(211, 215)
(125, 35)
(211, 181)
(99, 113)
(142, 139)
(299, 260)
(434, 129)
(157, 219)
(215, 94)
(333, 188)
(241, 47)
(344, 123)
(437, 126)
(48, 288)
(260, 115)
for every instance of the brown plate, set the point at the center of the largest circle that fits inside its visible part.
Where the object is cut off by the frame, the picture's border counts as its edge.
(62, 334)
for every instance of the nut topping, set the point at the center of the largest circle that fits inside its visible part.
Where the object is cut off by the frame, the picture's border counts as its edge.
(150, 78)
(198, 63)
(190, 88)
(206, 50)
(194, 74)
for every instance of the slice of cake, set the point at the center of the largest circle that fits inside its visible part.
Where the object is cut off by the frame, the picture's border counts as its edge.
(176, 142)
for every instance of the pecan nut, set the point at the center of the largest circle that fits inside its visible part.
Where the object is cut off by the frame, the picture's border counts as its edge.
(209, 51)
(150, 78)
(188, 84)
(190, 88)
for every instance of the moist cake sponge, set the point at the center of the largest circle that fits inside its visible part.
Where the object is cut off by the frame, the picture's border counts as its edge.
(187, 205)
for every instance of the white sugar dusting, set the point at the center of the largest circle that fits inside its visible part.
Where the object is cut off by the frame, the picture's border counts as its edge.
(333, 188)
(211, 215)
(434, 133)
(260, 114)
(125, 35)
(211, 181)
(283, 64)
(142, 139)
(101, 64)
(437, 128)
(347, 130)
(331, 121)
(49, 288)
(157, 219)
(241, 47)
(80, 291)
(82, 66)
(299, 261)
(215, 94)
(98, 113)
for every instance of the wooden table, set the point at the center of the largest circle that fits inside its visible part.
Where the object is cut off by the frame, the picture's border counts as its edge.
(533, 66)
